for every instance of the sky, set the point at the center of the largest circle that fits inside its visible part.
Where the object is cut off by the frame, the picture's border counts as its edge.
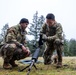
(11, 11)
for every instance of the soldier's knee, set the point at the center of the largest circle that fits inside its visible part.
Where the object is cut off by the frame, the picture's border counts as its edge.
(58, 42)
(10, 46)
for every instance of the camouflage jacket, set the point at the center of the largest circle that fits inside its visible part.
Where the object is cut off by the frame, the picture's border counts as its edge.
(16, 35)
(54, 32)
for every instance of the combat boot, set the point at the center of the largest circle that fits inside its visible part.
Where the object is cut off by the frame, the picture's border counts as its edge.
(59, 64)
(6, 65)
(12, 62)
(48, 62)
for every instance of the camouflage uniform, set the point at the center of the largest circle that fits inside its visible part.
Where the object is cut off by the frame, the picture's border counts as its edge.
(54, 42)
(11, 49)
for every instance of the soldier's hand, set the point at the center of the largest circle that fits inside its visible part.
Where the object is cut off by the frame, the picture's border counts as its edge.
(26, 50)
(44, 37)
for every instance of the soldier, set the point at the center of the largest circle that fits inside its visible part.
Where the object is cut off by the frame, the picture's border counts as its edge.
(51, 32)
(15, 46)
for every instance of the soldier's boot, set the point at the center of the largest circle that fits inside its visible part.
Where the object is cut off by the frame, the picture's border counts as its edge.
(59, 64)
(47, 61)
(6, 65)
(12, 62)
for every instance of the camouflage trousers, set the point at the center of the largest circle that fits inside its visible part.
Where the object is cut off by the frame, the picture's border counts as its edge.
(50, 48)
(11, 51)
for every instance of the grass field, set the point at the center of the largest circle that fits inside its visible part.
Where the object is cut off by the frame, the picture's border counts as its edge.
(69, 68)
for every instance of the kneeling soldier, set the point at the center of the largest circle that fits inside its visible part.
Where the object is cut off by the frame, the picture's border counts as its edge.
(14, 45)
(51, 32)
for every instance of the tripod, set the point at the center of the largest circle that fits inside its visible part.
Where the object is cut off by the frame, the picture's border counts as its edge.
(29, 66)
(33, 61)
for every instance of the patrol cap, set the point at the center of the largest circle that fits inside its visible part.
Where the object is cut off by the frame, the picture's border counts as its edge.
(50, 16)
(24, 20)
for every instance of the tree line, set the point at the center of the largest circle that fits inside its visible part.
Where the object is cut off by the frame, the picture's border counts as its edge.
(34, 30)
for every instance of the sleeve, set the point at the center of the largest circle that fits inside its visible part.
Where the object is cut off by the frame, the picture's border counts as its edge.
(43, 29)
(11, 36)
(24, 42)
(58, 34)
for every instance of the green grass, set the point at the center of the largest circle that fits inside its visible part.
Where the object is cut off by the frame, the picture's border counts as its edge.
(68, 69)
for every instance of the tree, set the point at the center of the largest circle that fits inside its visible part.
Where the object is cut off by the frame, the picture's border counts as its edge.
(35, 28)
(36, 25)
(72, 47)
(66, 47)
(4, 30)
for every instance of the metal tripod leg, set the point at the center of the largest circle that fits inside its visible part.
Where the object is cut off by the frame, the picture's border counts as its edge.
(35, 66)
(23, 68)
(27, 67)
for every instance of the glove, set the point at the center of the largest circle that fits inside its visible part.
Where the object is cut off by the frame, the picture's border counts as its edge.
(44, 37)
(50, 38)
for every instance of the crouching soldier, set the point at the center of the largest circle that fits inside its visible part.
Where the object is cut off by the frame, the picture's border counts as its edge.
(51, 32)
(14, 46)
